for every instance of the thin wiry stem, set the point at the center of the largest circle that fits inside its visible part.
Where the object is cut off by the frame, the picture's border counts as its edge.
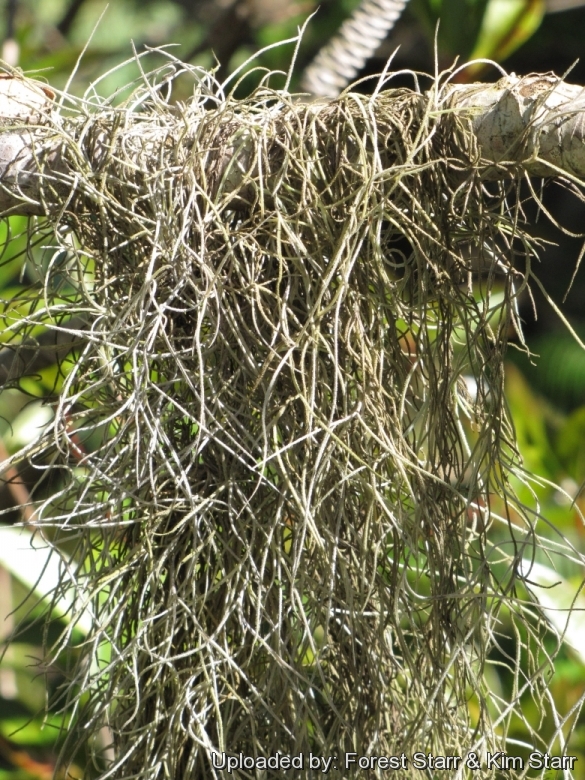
(288, 538)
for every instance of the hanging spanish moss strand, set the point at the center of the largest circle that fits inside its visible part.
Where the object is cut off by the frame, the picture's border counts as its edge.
(345, 55)
(290, 525)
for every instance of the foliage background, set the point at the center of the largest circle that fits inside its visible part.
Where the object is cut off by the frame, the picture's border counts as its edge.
(547, 396)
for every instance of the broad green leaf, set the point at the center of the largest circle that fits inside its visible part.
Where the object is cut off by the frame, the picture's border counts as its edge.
(25, 731)
(507, 24)
(28, 426)
(39, 568)
(470, 29)
(460, 22)
(571, 443)
(562, 603)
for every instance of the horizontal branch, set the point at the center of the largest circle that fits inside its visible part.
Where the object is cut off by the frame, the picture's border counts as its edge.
(533, 124)
(537, 122)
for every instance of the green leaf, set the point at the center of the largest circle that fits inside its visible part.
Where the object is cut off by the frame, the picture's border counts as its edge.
(470, 29)
(562, 603)
(507, 24)
(571, 443)
(24, 731)
(460, 22)
(38, 567)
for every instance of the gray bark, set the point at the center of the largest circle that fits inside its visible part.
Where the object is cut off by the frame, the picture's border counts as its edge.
(534, 124)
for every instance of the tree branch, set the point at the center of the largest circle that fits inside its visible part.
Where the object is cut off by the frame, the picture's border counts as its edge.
(536, 122)
(533, 124)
